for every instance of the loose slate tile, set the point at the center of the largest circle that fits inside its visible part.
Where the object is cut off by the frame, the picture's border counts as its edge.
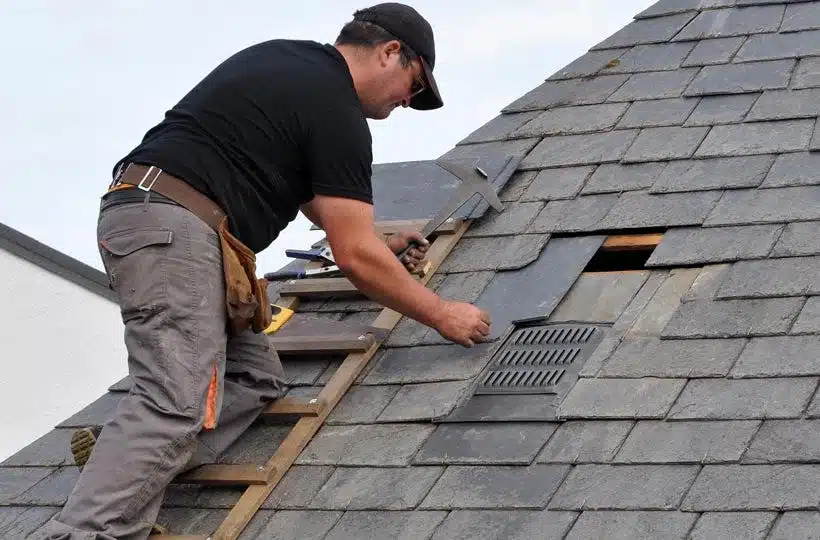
(365, 445)
(713, 51)
(732, 22)
(424, 401)
(429, 364)
(362, 404)
(589, 149)
(576, 215)
(590, 63)
(638, 209)
(657, 312)
(663, 143)
(580, 441)
(570, 92)
(633, 525)
(52, 449)
(667, 56)
(785, 441)
(299, 485)
(291, 525)
(363, 488)
(657, 441)
(514, 219)
(616, 177)
(652, 357)
(620, 398)
(780, 356)
(798, 239)
(474, 254)
(52, 490)
(624, 487)
(476, 444)
(754, 487)
(796, 169)
(799, 524)
(781, 45)
(654, 85)
(784, 104)
(513, 189)
(807, 74)
(394, 524)
(599, 297)
(792, 276)
(14, 481)
(733, 318)
(809, 318)
(574, 119)
(718, 173)
(658, 113)
(715, 110)
(503, 486)
(757, 138)
(499, 128)
(655, 30)
(504, 524)
(562, 183)
(766, 206)
(707, 283)
(738, 525)
(800, 17)
(696, 245)
(20, 522)
(715, 399)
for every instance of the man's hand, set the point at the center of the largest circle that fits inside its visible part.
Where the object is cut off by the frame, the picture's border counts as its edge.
(463, 323)
(399, 241)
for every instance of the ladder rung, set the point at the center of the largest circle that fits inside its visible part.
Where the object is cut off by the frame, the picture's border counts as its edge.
(293, 405)
(178, 537)
(293, 345)
(225, 475)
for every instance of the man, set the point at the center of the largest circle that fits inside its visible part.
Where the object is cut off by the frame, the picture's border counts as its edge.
(277, 128)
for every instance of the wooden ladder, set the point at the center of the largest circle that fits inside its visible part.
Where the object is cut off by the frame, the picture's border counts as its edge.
(261, 479)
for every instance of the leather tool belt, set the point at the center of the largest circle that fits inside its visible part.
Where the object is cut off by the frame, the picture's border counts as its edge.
(246, 297)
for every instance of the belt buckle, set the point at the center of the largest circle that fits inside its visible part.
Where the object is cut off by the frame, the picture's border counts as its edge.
(142, 185)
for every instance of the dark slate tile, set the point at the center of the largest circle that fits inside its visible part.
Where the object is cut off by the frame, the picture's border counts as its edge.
(727, 109)
(807, 73)
(733, 318)
(774, 46)
(299, 485)
(785, 441)
(365, 445)
(780, 356)
(53, 490)
(754, 487)
(291, 525)
(580, 441)
(363, 488)
(800, 17)
(809, 318)
(655, 85)
(599, 297)
(499, 128)
(424, 401)
(513, 189)
(362, 404)
(696, 245)
(574, 119)
(515, 219)
(52, 449)
(96, 413)
(506, 408)
(303, 371)
(637, 209)
(657, 113)
(670, 7)
(662, 143)
(589, 149)
(474, 254)
(537, 289)
(191, 521)
(256, 445)
(798, 239)
(663, 57)
(798, 524)
(732, 22)
(715, 399)
(796, 169)
(718, 173)
(739, 525)
(616, 177)
(624, 487)
(504, 524)
(713, 51)
(633, 525)
(562, 183)
(14, 481)
(655, 30)
(792, 276)
(495, 487)
(757, 138)
(652, 357)
(766, 206)
(620, 398)
(590, 63)
(658, 441)
(741, 78)
(124, 384)
(476, 444)
(393, 524)
(784, 104)
(576, 215)
(20, 522)
(550, 94)
(429, 364)
(491, 155)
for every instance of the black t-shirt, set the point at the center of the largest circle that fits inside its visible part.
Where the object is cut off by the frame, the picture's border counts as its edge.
(267, 129)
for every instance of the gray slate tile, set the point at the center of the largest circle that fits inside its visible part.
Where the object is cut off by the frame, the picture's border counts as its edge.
(52, 449)
(506, 408)
(14, 481)
(652, 357)
(96, 413)
(658, 113)
(474, 254)
(550, 94)
(53, 490)
(503, 486)
(659, 57)
(654, 85)
(588, 149)
(732, 22)
(798, 239)
(718, 173)
(620, 398)
(257, 444)
(616, 177)
(766, 206)
(562, 183)
(632, 525)
(792, 276)
(774, 46)
(757, 138)
(363, 488)
(589, 63)
(573, 119)
(670, 7)
(299, 485)
(492, 154)
(713, 51)
(657, 441)
(785, 441)
(424, 401)
(809, 318)
(599, 298)
(291, 525)
(741, 78)
(637, 209)
(303, 371)
(576, 215)
(754, 487)
(738, 525)
(800, 17)
(20, 522)
(191, 521)
(362, 404)
(624, 487)
(785, 104)
(515, 219)
(807, 73)
(365, 445)
(504, 524)
(657, 312)
(696, 245)
(706, 283)
(795, 169)
(726, 109)
(476, 444)
(715, 399)
(814, 143)
(655, 30)
(499, 128)
(663, 143)
(781, 356)
(798, 524)
(580, 441)
(396, 525)
(513, 189)
(733, 318)
(429, 364)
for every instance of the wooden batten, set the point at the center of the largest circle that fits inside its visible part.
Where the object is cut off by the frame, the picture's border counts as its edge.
(632, 242)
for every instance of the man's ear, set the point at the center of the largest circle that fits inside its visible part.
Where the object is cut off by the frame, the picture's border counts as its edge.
(386, 50)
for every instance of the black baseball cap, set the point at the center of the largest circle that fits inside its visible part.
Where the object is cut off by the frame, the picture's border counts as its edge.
(409, 26)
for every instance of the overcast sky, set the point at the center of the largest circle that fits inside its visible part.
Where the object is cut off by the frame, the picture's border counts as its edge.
(82, 81)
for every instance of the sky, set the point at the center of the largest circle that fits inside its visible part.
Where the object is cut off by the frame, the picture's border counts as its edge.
(82, 81)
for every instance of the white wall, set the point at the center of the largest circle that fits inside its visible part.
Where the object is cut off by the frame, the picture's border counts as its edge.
(61, 347)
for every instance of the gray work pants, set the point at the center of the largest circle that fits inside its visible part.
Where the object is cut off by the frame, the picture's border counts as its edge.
(165, 266)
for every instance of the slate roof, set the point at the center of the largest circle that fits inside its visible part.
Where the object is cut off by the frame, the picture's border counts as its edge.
(695, 416)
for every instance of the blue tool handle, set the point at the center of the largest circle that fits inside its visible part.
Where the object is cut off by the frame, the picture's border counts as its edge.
(310, 254)
(285, 274)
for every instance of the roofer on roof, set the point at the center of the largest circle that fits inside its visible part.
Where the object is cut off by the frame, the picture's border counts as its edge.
(278, 127)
